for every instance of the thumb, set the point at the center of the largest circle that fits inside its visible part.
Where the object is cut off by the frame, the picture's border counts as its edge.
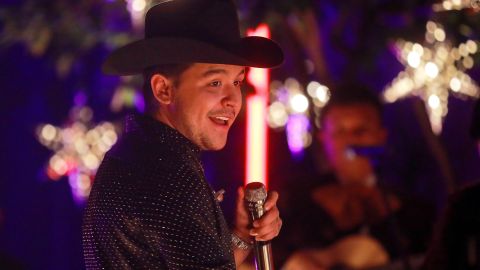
(241, 217)
(240, 196)
(241, 207)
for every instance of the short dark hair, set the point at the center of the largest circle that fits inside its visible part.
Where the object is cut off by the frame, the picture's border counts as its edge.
(171, 71)
(349, 94)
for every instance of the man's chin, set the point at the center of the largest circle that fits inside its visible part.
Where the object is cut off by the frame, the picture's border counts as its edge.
(213, 146)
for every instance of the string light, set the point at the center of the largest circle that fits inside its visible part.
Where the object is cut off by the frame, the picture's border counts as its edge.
(78, 149)
(431, 71)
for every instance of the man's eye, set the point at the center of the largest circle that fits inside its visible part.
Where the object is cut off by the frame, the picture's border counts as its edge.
(238, 83)
(216, 84)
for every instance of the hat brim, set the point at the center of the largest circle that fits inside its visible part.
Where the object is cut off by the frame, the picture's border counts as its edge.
(135, 57)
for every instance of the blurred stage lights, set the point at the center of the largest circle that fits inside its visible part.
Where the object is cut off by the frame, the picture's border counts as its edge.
(299, 103)
(447, 5)
(78, 149)
(432, 70)
(127, 97)
(290, 108)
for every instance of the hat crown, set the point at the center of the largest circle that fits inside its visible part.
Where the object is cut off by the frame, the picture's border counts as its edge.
(205, 20)
(193, 31)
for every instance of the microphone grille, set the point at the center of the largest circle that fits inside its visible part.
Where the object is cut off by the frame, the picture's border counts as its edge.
(255, 191)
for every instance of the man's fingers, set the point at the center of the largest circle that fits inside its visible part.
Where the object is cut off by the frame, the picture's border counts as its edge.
(273, 226)
(242, 214)
(268, 218)
(268, 232)
(271, 200)
(240, 193)
(240, 197)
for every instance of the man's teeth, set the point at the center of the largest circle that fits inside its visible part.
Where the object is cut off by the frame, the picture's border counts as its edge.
(221, 119)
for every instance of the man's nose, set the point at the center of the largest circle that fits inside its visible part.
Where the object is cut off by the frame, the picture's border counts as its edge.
(233, 97)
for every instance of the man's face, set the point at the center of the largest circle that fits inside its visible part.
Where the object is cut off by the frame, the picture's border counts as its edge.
(206, 102)
(351, 125)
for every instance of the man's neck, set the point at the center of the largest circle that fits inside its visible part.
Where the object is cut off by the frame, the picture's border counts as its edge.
(162, 117)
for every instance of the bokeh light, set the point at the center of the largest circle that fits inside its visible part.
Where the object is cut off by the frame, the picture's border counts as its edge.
(78, 149)
(432, 70)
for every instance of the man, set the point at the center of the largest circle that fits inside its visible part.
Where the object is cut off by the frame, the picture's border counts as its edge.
(150, 206)
(348, 212)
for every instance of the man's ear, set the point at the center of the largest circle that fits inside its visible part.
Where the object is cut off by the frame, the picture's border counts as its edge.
(162, 89)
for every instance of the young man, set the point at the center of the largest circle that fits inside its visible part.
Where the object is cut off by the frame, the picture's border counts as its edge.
(150, 206)
(347, 210)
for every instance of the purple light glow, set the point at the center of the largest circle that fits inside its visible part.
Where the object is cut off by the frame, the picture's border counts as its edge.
(297, 128)
(80, 184)
(139, 102)
(283, 95)
(80, 99)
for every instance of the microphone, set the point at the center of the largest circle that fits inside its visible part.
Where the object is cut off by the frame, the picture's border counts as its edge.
(374, 153)
(255, 196)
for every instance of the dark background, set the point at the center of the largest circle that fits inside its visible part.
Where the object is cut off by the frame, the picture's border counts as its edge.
(41, 220)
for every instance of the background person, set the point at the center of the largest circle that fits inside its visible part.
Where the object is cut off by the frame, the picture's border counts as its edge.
(348, 216)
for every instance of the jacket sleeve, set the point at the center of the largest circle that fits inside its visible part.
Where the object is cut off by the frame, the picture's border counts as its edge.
(154, 219)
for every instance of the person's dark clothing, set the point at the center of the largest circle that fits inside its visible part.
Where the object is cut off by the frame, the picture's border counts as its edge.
(307, 225)
(151, 208)
(408, 229)
(9, 263)
(457, 241)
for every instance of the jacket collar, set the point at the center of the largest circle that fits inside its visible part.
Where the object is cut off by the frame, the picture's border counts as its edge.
(158, 132)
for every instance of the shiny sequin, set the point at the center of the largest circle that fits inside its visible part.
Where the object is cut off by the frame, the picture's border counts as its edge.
(151, 207)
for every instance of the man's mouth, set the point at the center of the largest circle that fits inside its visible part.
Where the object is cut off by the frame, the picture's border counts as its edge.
(220, 120)
(222, 117)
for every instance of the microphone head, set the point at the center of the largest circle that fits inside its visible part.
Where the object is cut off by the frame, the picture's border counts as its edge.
(369, 151)
(255, 191)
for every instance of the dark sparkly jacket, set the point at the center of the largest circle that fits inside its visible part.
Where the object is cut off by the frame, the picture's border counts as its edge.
(151, 207)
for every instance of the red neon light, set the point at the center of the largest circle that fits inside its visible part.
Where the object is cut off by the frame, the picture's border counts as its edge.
(257, 140)
(258, 77)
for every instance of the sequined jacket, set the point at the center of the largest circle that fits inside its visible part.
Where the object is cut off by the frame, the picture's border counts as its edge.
(151, 208)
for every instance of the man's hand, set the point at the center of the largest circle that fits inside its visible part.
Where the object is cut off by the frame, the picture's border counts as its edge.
(264, 229)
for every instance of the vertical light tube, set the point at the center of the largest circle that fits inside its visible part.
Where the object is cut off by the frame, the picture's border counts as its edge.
(257, 140)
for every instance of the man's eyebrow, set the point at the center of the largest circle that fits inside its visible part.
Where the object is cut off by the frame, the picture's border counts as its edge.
(219, 71)
(216, 71)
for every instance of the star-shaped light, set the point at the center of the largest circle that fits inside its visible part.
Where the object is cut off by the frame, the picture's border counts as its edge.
(78, 149)
(433, 71)
(447, 5)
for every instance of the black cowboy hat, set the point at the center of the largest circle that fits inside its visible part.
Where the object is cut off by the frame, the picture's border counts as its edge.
(193, 31)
